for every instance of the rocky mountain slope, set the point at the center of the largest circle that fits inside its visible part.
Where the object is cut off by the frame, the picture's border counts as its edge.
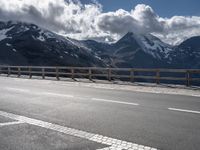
(28, 44)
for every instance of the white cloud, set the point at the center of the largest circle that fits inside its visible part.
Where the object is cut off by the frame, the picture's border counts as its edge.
(81, 21)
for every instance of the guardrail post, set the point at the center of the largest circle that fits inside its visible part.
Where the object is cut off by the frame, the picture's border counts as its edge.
(187, 78)
(8, 71)
(72, 72)
(0, 70)
(19, 71)
(109, 74)
(57, 73)
(43, 73)
(30, 74)
(90, 73)
(158, 76)
(132, 75)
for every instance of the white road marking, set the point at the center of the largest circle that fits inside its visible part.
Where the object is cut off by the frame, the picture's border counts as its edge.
(56, 94)
(113, 101)
(10, 123)
(17, 90)
(115, 144)
(38, 93)
(108, 148)
(185, 110)
(70, 96)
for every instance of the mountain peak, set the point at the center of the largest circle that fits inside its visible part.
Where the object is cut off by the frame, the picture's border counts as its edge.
(191, 43)
(130, 37)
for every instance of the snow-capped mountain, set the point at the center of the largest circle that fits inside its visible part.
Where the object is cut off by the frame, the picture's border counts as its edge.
(134, 50)
(148, 43)
(28, 44)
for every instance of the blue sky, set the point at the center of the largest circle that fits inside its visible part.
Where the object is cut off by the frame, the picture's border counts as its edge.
(165, 8)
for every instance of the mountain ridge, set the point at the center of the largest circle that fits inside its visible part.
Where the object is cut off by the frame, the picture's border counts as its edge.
(28, 44)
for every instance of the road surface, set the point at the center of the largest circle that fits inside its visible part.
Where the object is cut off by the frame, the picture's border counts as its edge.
(43, 114)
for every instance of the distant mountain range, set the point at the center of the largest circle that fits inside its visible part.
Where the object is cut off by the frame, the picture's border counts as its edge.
(28, 44)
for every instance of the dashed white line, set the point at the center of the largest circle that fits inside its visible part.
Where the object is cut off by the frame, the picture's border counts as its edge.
(113, 144)
(113, 101)
(10, 123)
(71, 96)
(56, 94)
(185, 110)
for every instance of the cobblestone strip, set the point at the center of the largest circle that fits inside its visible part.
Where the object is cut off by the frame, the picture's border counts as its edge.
(113, 144)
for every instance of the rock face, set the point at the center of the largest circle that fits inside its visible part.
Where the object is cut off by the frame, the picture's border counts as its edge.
(28, 44)
(188, 53)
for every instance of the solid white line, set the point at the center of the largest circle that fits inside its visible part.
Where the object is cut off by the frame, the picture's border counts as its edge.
(17, 90)
(113, 101)
(10, 123)
(185, 110)
(39, 93)
(111, 142)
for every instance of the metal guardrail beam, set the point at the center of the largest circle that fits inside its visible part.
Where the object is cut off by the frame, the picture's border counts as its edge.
(109, 73)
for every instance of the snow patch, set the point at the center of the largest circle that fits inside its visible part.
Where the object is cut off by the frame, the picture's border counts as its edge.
(3, 33)
(77, 44)
(153, 46)
(9, 45)
(98, 57)
(14, 50)
(66, 52)
(75, 55)
(49, 35)
(41, 38)
(156, 47)
(23, 28)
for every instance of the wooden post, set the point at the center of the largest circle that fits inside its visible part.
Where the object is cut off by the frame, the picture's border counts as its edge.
(72, 72)
(90, 74)
(132, 75)
(30, 74)
(57, 73)
(187, 78)
(43, 73)
(0, 70)
(109, 74)
(158, 76)
(19, 71)
(8, 71)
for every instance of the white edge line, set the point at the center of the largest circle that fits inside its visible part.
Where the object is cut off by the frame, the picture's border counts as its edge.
(17, 89)
(113, 101)
(185, 110)
(10, 123)
(111, 142)
(38, 93)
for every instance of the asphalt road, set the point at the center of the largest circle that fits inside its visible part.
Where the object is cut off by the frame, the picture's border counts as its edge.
(166, 122)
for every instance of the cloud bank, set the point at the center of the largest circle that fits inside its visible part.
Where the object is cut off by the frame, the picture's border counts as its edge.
(88, 21)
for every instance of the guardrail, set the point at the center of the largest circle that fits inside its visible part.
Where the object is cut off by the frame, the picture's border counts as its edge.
(128, 74)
